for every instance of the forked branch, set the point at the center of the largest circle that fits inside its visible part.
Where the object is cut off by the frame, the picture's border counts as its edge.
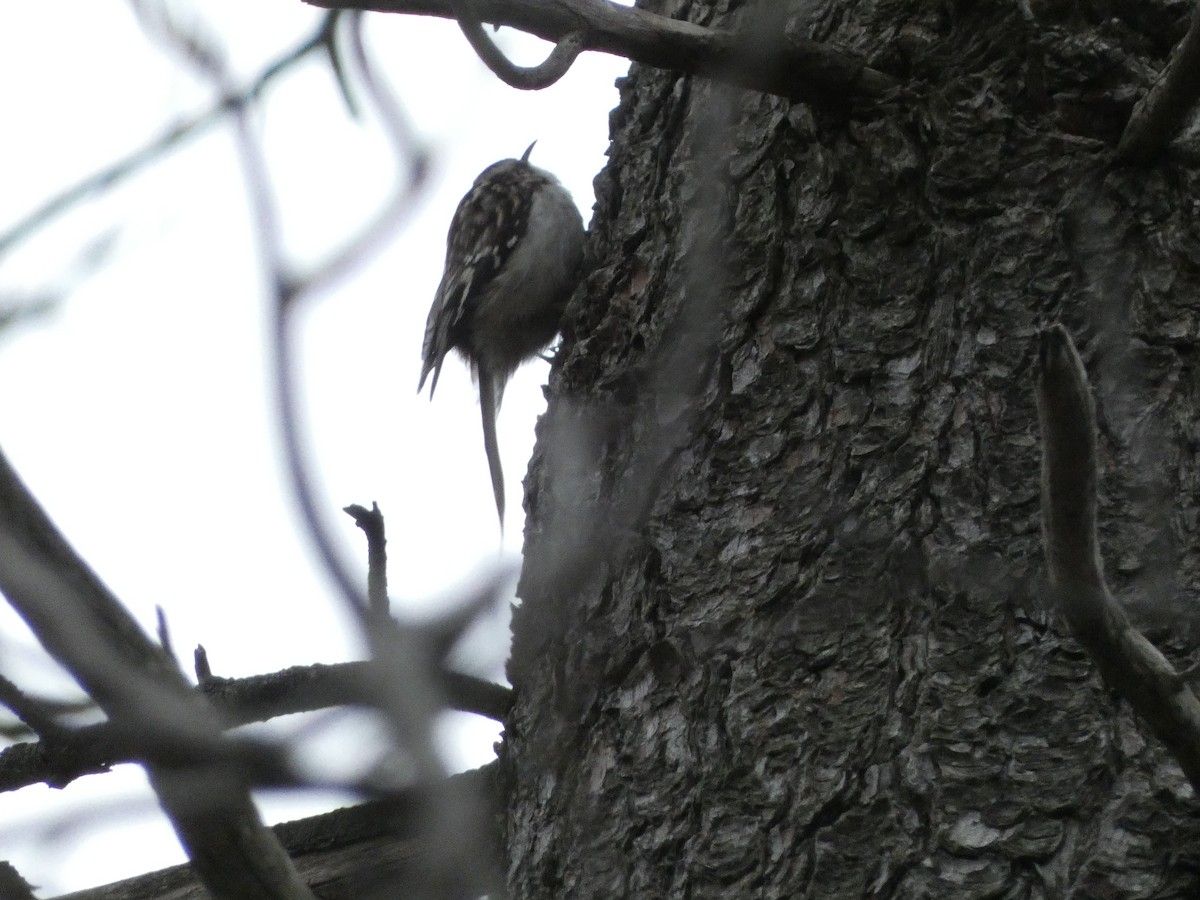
(86, 629)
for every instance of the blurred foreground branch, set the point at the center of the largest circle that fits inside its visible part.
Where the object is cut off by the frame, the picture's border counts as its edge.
(87, 630)
(174, 137)
(347, 854)
(1159, 116)
(70, 754)
(1128, 662)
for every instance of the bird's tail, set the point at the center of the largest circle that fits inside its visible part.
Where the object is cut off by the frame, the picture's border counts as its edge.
(489, 403)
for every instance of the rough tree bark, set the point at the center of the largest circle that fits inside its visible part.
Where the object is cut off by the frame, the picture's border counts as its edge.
(811, 653)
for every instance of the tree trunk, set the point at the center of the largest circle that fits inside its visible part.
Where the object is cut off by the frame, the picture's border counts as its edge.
(784, 630)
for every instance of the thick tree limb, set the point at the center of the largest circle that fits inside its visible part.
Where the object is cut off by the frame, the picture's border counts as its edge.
(83, 626)
(796, 67)
(1159, 115)
(1128, 662)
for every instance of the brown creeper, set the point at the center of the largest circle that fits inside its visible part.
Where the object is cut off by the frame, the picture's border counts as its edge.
(512, 260)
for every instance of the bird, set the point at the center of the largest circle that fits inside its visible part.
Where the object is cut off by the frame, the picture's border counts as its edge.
(513, 255)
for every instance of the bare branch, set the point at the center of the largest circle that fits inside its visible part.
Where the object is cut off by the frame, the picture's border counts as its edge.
(287, 289)
(83, 626)
(191, 44)
(401, 677)
(169, 140)
(346, 854)
(34, 713)
(797, 68)
(164, 634)
(1159, 115)
(12, 885)
(410, 176)
(70, 754)
(532, 78)
(1128, 662)
(200, 664)
(39, 716)
(371, 523)
(86, 751)
(319, 686)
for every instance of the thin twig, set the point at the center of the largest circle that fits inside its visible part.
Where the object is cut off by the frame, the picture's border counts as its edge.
(140, 159)
(200, 664)
(371, 523)
(525, 78)
(164, 634)
(410, 177)
(34, 713)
